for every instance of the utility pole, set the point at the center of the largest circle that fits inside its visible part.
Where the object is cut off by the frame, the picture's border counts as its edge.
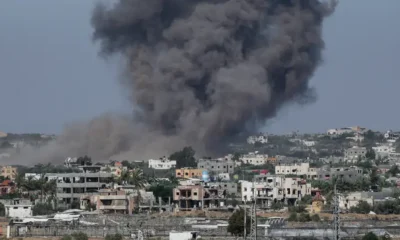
(336, 218)
(245, 220)
(253, 216)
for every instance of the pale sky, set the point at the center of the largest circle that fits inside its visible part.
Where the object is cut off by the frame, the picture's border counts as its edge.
(50, 73)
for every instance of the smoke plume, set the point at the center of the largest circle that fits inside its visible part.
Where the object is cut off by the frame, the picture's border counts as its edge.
(199, 72)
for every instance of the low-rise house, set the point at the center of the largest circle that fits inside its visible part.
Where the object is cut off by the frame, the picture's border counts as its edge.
(299, 169)
(18, 208)
(162, 163)
(268, 189)
(383, 150)
(7, 187)
(197, 196)
(9, 172)
(216, 166)
(308, 143)
(188, 173)
(391, 136)
(254, 158)
(109, 201)
(354, 153)
(261, 138)
(347, 174)
(231, 188)
(347, 201)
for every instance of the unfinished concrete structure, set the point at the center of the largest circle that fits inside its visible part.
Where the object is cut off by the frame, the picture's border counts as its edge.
(109, 201)
(197, 196)
(268, 189)
(71, 186)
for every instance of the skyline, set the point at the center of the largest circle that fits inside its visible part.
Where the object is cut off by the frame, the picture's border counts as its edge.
(61, 61)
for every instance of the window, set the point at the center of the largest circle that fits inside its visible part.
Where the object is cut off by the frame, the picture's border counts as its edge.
(177, 193)
(195, 194)
(15, 207)
(25, 207)
(245, 189)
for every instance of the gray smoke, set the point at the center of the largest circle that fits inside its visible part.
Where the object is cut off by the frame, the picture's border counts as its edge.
(200, 72)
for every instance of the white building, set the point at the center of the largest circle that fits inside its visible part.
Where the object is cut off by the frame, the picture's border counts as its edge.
(352, 154)
(391, 136)
(383, 150)
(18, 208)
(261, 138)
(254, 158)
(268, 189)
(352, 199)
(162, 163)
(358, 137)
(309, 143)
(33, 176)
(302, 169)
(340, 131)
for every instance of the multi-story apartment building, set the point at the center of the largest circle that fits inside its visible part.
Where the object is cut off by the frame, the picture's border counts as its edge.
(162, 163)
(229, 187)
(383, 150)
(268, 189)
(354, 153)
(347, 174)
(188, 173)
(216, 166)
(254, 158)
(71, 186)
(197, 196)
(9, 172)
(299, 169)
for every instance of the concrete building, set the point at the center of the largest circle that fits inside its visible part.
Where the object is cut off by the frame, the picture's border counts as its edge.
(308, 143)
(197, 196)
(18, 208)
(354, 153)
(109, 201)
(162, 164)
(301, 169)
(216, 166)
(347, 174)
(9, 172)
(188, 173)
(71, 186)
(229, 187)
(254, 158)
(7, 187)
(383, 150)
(352, 199)
(391, 136)
(261, 138)
(268, 189)
(340, 131)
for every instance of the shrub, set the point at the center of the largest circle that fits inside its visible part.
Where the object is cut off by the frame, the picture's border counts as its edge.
(315, 218)
(292, 217)
(113, 237)
(304, 217)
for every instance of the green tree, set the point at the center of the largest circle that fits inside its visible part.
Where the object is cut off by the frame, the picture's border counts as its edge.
(370, 154)
(236, 223)
(315, 218)
(184, 158)
(304, 217)
(276, 205)
(370, 236)
(42, 209)
(374, 177)
(292, 217)
(113, 237)
(362, 207)
(127, 164)
(80, 236)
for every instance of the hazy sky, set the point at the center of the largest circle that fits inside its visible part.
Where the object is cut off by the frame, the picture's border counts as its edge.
(50, 73)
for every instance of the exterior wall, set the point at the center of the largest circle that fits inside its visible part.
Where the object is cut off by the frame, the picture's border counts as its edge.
(217, 166)
(349, 174)
(71, 186)
(195, 193)
(297, 169)
(188, 173)
(18, 211)
(230, 187)
(353, 153)
(161, 164)
(9, 172)
(254, 159)
(275, 188)
(352, 199)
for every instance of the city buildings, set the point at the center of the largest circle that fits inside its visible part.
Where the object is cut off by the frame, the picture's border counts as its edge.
(216, 166)
(71, 186)
(261, 138)
(9, 172)
(299, 169)
(188, 173)
(254, 158)
(109, 201)
(18, 208)
(354, 153)
(347, 174)
(7, 187)
(269, 189)
(162, 164)
(196, 196)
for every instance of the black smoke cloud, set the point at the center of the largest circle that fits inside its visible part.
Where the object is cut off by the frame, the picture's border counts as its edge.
(199, 72)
